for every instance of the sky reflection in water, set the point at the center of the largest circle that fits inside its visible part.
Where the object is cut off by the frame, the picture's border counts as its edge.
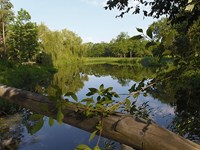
(62, 137)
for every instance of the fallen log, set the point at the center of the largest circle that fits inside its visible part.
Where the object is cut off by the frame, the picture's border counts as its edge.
(132, 131)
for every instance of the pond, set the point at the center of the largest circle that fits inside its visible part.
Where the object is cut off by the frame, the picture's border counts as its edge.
(161, 106)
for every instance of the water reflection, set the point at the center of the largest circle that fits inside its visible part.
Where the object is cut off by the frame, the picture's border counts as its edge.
(60, 137)
(169, 107)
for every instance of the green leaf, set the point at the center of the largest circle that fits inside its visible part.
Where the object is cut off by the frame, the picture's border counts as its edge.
(92, 135)
(145, 94)
(136, 95)
(149, 32)
(76, 109)
(115, 95)
(109, 89)
(93, 90)
(133, 109)
(190, 5)
(51, 122)
(132, 89)
(98, 98)
(82, 147)
(97, 148)
(149, 44)
(88, 113)
(72, 95)
(166, 52)
(89, 100)
(139, 30)
(37, 127)
(107, 101)
(60, 116)
(137, 37)
(128, 104)
(101, 87)
(89, 94)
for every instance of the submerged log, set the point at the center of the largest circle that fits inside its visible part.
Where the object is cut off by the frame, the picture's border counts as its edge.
(131, 131)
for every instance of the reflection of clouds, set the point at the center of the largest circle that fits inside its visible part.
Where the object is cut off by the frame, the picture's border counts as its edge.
(158, 109)
(164, 111)
(31, 139)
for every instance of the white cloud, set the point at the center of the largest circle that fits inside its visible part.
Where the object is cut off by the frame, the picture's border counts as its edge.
(95, 2)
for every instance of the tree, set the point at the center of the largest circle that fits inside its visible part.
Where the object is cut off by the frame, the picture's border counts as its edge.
(176, 10)
(97, 50)
(186, 46)
(165, 33)
(5, 16)
(23, 38)
(65, 48)
(122, 43)
(87, 48)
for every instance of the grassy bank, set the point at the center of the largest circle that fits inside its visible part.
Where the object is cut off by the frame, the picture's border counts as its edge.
(110, 59)
(142, 61)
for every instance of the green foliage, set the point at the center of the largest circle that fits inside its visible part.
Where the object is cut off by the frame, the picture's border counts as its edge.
(6, 15)
(83, 147)
(139, 30)
(100, 106)
(177, 11)
(66, 48)
(93, 135)
(23, 38)
(122, 46)
(72, 95)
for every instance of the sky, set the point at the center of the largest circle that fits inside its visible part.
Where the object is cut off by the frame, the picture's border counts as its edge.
(87, 18)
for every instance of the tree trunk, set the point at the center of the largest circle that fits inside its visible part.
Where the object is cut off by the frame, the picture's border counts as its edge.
(130, 54)
(3, 36)
(132, 131)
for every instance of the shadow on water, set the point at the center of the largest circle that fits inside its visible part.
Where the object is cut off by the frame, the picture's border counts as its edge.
(183, 94)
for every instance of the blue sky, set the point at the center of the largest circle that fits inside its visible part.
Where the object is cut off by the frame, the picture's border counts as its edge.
(87, 18)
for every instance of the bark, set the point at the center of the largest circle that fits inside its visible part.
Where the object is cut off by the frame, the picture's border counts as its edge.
(4, 37)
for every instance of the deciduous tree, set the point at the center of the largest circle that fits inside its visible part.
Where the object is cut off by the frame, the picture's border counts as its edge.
(23, 38)
(6, 15)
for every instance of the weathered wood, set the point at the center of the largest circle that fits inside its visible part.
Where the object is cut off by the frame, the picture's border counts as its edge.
(128, 130)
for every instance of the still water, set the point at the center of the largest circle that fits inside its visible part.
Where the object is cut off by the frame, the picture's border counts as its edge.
(78, 79)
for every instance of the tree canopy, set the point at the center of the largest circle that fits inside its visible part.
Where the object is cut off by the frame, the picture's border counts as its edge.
(175, 10)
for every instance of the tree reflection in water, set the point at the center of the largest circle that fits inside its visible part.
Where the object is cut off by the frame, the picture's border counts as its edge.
(184, 99)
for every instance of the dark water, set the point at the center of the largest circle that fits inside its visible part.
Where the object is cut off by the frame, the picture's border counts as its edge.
(162, 105)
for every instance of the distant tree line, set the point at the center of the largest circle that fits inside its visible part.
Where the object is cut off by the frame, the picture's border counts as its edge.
(121, 46)
(22, 40)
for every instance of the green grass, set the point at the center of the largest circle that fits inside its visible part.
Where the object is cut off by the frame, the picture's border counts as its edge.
(138, 61)
(103, 60)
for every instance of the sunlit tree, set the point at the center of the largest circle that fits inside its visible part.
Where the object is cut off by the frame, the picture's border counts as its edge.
(6, 15)
(23, 38)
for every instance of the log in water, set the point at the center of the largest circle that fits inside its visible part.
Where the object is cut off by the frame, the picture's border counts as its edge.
(131, 131)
